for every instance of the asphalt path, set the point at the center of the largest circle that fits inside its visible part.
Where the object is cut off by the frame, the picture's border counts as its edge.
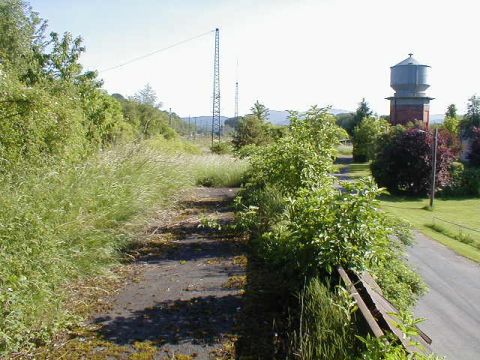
(452, 306)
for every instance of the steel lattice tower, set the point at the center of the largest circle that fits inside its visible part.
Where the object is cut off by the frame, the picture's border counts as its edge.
(216, 122)
(236, 100)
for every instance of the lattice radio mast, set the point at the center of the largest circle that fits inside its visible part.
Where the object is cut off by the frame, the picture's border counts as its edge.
(236, 94)
(216, 122)
(236, 100)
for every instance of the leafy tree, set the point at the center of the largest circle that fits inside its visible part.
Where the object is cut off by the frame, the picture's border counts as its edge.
(346, 121)
(147, 96)
(253, 129)
(451, 122)
(404, 161)
(250, 130)
(363, 111)
(366, 137)
(472, 117)
(22, 37)
(452, 125)
(474, 155)
(260, 111)
(451, 111)
(300, 159)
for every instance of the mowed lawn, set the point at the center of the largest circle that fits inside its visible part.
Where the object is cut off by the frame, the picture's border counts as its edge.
(441, 222)
(452, 222)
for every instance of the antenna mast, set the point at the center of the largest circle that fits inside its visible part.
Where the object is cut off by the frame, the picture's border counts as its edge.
(216, 122)
(236, 95)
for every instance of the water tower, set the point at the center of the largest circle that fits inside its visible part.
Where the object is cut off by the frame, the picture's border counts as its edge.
(409, 79)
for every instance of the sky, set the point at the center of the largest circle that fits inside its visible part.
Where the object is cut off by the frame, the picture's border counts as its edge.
(291, 54)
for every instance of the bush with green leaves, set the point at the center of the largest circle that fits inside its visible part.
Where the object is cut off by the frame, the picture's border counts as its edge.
(303, 226)
(366, 138)
(303, 158)
(465, 181)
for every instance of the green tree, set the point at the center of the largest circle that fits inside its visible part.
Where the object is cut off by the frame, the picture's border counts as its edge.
(260, 111)
(345, 120)
(250, 130)
(472, 117)
(363, 111)
(147, 96)
(22, 37)
(451, 111)
(366, 137)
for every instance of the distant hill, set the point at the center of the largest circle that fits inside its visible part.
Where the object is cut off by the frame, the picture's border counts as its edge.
(437, 118)
(281, 117)
(203, 119)
(276, 117)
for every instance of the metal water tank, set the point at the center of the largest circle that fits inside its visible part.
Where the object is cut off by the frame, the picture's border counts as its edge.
(409, 78)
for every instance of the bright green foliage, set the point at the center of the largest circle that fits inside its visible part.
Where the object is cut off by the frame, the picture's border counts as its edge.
(363, 111)
(300, 159)
(52, 109)
(366, 138)
(472, 118)
(452, 124)
(260, 111)
(303, 227)
(250, 130)
(35, 124)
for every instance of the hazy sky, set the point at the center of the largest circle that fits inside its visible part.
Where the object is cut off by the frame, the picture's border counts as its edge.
(291, 54)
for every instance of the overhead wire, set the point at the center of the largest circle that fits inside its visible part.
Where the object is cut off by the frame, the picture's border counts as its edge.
(155, 52)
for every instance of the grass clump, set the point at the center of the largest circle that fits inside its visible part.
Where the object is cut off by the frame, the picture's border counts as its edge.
(215, 171)
(331, 334)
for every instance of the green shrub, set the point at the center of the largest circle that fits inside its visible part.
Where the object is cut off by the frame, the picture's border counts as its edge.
(300, 159)
(303, 227)
(366, 138)
(221, 148)
(465, 181)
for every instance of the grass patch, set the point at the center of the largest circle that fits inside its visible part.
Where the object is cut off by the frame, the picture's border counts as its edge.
(216, 170)
(430, 222)
(345, 149)
(358, 170)
(64, 223)
(461, 211)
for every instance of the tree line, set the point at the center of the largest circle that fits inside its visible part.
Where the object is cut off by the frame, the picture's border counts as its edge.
(51, 108)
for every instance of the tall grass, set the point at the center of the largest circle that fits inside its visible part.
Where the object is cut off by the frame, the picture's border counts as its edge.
(325, 330)
(65, 222)
(215, 170)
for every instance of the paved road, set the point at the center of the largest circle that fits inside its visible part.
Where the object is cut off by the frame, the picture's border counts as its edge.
(452, 306)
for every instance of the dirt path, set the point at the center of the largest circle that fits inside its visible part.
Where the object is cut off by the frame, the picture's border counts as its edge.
(186, 302)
